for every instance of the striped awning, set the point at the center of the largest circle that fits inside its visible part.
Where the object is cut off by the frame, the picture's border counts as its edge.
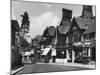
(45, 51)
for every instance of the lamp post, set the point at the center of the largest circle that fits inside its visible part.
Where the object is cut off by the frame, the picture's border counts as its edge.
(63, 56)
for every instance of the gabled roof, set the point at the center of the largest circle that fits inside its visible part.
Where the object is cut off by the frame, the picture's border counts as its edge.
(91, 28)
(38, 38)
(63, 29)
(83, 22)
(51, 30)
(15, 25)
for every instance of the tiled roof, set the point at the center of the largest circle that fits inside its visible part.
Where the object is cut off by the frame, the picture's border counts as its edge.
(15, 25)
(51, 30)
(91, 28)
(83, 22)
(38, 38)
(63, 29)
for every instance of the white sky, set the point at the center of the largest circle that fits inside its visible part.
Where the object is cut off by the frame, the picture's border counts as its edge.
(42, 14)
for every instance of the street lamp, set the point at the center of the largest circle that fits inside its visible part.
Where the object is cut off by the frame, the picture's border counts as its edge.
(63, 56)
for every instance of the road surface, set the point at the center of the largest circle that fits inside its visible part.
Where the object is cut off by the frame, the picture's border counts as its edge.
(41, 68)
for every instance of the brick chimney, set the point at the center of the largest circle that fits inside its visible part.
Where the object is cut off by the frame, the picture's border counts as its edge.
(87, 11)
(66, 16)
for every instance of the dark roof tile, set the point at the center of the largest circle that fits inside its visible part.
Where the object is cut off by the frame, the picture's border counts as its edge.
(63, 29)
(91, 28)
(83, 22)
(51, 30)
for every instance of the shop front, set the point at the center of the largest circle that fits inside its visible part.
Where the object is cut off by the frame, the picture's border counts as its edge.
(45, 55)
(89, 52)
(62, 54)
(77, 54)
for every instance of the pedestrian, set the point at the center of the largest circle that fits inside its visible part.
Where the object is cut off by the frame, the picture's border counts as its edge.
(53, 54)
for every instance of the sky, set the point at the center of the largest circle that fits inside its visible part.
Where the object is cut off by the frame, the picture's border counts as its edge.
(42, 14)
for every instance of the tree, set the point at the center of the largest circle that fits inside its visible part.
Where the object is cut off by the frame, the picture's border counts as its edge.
(49, 34)
(24, 43)
(25, 19)
(45, 32)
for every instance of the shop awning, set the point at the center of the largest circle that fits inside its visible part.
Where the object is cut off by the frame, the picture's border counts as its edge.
(79, 44)
(45, 51)
(27, 54)
(92, 43)
(53, 52)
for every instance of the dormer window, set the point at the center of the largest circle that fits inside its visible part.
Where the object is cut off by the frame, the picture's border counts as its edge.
(74, 28)
(86, 25)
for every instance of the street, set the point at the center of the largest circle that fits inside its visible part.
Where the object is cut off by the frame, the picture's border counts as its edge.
(45, 41)
(44, 67)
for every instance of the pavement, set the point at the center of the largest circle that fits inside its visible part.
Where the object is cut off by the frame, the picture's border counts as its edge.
(75, 65)
(17, 70)
(52, 67)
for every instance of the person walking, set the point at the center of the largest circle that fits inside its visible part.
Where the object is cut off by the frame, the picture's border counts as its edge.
(53, 54)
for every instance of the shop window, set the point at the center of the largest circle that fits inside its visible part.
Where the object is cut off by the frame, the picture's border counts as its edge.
(85, 53)
(80, 38)
(25, 57)
(61, 54)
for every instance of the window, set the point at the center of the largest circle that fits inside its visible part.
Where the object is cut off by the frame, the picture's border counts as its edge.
(75, 38)
(86, 25)
(92, 35)
(74, 28)
(86, 37)
(61, 53)
(85, 53)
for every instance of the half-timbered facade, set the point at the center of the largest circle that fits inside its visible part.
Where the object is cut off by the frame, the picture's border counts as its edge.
(78, 26)
(89, 38)
(62, 33)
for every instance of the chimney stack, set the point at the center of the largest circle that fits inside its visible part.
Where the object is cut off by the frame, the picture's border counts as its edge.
(66, 16)
(87, 11)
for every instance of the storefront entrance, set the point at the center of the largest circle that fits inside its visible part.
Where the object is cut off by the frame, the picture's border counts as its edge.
(93, 54)
(61, 53)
